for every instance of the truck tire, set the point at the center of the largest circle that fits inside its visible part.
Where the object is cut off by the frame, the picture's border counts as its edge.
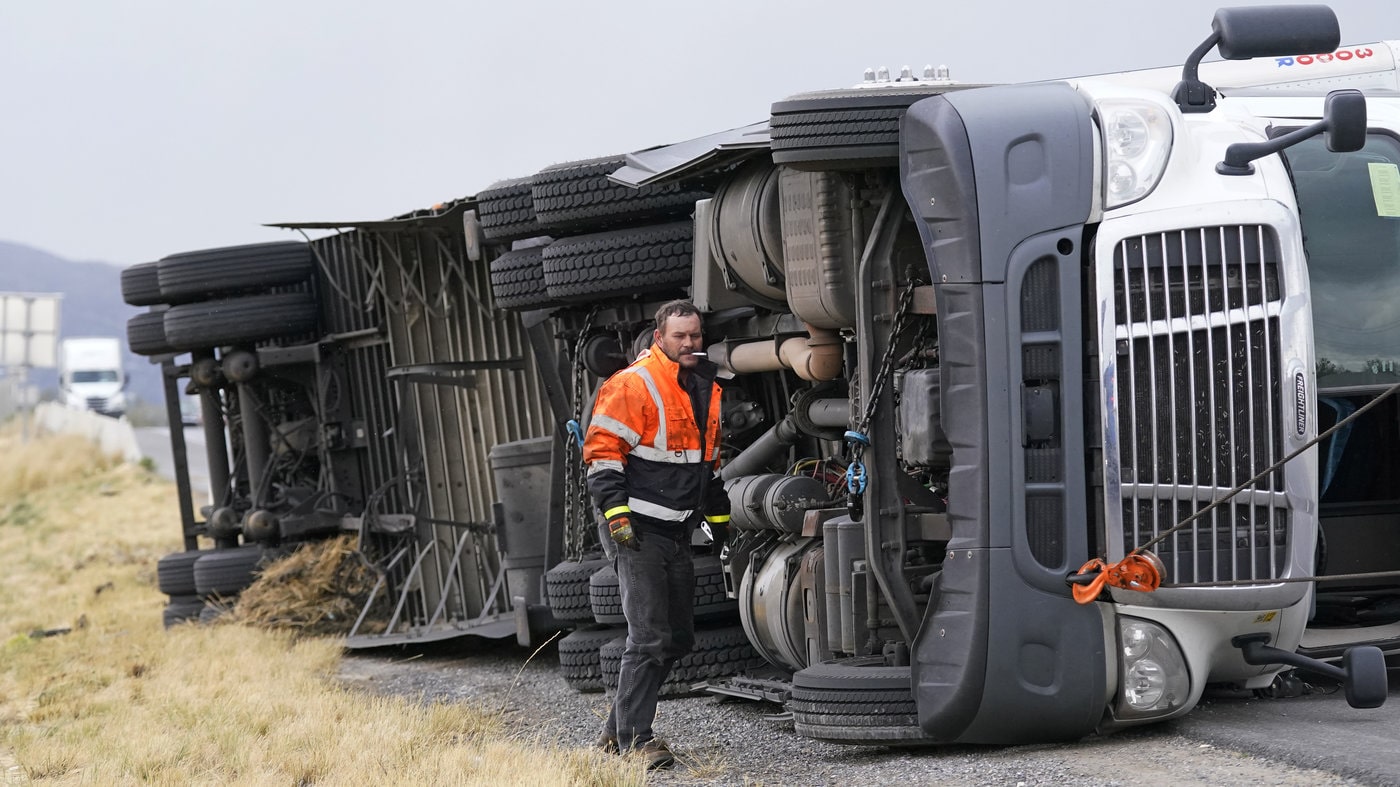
(566, 586)
(856, 702)
(620, 262)
(718, 652)
(610, 661)
(182, 608)
(231, 270)
(517, 280)
(145, 334)
(506, 210)
(578, 197)
(140, 285)
(196, 326)
(711, 600)
(605, 597)
(226, 572)
(842, 129)
(578, 657)
(175, 572)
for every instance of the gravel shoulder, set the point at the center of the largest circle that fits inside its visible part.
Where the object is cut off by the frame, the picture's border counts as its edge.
(726, 741)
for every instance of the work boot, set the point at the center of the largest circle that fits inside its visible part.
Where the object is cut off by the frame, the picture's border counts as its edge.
(607, 741)
(656, 754)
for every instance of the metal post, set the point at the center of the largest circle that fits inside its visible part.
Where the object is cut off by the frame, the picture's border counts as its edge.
(215, 446)
(255, 442)
(170, 376)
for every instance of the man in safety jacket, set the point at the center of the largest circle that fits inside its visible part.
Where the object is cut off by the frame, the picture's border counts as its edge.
(652, 451)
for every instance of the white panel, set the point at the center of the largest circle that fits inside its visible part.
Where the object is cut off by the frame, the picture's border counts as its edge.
(12, 349)
(29, 329)
(43, 350)
(43, 315)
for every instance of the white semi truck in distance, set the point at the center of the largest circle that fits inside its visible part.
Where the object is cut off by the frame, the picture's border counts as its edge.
(91, 376)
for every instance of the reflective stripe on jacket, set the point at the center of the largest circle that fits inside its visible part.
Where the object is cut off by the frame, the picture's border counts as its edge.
(644, 451)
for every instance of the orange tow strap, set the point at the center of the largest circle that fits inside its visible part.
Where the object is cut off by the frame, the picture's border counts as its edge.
(1137, 571)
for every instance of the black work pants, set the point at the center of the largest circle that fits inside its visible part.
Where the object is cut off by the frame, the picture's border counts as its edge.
(658, 597)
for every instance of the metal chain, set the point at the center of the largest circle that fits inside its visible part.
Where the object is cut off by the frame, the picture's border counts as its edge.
(901, 315)
(576, 503)
(858, 438)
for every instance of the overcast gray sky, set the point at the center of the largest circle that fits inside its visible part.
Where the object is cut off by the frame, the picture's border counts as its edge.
(137, 129)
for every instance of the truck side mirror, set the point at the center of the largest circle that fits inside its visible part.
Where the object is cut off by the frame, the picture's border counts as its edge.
(1272, 31)
(1261, 31)
(1343, 121)
(1345, 116)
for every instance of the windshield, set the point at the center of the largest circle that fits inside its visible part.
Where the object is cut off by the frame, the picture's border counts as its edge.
(1349, 204)
(96, 376)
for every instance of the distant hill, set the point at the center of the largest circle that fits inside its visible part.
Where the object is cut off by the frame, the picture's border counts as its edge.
(92, 306)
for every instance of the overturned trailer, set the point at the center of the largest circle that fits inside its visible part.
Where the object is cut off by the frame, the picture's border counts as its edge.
(1046, 405)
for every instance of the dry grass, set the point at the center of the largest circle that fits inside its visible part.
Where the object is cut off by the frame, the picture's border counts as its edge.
(706, 764)
(318, 589)
(119, 700)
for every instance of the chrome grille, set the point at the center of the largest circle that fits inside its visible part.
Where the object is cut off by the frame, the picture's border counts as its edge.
(1196, 316)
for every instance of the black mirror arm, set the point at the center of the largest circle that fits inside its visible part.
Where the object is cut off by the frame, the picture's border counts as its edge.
(1191, 94)
(1238, 155)
(1343, 119)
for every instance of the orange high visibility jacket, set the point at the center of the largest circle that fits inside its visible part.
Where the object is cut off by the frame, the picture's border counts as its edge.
(645, 451)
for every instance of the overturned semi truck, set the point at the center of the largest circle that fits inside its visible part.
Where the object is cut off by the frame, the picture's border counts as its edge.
(1045, 406)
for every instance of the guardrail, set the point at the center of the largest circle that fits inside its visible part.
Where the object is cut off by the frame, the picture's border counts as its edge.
(111, 435)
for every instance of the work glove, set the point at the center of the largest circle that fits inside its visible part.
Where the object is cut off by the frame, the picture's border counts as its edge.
(621, 530)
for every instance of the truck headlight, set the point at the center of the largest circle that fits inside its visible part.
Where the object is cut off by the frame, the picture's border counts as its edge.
(1137, 138)
(1153, 677)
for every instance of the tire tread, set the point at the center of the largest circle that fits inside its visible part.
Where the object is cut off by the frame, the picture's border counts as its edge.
(620, 262)
(141, 285)
(517, 280)
(231, 270)
(506, 210)
(246, 319)
(578, 196)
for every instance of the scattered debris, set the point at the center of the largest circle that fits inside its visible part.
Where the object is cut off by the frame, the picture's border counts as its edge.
(318, 589)
(53, 632)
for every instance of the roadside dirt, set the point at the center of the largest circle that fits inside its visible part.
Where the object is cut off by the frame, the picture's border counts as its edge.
(722, 741)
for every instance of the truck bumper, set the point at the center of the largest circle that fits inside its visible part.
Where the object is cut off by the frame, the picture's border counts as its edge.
(1203, 638)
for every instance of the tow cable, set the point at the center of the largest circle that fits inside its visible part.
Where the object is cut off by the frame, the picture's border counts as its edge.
(1141, 570)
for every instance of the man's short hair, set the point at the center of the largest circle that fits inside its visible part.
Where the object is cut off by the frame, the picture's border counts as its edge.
(676, 308)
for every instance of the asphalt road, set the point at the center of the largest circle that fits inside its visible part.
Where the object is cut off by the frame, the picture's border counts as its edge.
(1312, 731)
(155, 445)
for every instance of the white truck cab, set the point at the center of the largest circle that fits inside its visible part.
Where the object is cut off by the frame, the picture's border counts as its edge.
(1301, 315)
(1230, 263)
(91, 375)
